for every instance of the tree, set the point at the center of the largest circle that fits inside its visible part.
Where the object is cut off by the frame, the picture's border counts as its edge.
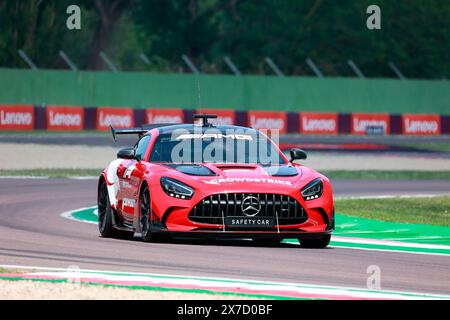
(176, 27)
(109, 14)
(414, 35)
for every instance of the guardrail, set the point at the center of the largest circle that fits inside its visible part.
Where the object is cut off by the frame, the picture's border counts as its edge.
(74, 118)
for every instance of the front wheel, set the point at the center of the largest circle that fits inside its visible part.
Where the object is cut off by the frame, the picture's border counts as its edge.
(145, 217)
(105, 226)
(315, 243)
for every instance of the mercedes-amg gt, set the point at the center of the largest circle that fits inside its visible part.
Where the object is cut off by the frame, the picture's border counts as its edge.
(205, 180)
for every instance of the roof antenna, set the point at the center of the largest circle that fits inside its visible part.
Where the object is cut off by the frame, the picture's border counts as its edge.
(204, 117)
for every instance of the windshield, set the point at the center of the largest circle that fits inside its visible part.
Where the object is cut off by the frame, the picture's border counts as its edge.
(214, 146)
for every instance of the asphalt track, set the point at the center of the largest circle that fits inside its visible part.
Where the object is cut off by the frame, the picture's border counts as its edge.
(33, 233)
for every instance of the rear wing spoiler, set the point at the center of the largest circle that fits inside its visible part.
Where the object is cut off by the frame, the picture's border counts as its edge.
(140, 131)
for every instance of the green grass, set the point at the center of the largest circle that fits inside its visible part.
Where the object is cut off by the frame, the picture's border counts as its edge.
(3, 270)
(387, 175)
(433, 210)
(52, 173)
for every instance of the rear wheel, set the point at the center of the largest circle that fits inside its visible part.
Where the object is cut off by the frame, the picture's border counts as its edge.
(315, 243)
(105, 217)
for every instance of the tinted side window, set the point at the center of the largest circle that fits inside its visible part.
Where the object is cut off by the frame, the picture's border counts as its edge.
(142, 147)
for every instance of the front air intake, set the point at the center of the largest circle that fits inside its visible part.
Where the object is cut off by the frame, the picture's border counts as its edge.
(213, 209)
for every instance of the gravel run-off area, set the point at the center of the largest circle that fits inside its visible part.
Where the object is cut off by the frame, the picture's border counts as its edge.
(36, 290)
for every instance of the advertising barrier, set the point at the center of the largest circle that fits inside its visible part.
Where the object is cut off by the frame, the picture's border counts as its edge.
(267, 120)
(319, 123)
(16, 117)
(64, 118)
(117, 117)
(363, 122)
(75, 118)
(164, 116)
(421, 124)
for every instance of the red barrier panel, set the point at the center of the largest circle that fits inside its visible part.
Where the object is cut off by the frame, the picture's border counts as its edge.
(319, 123)
(164, 115)
(267, 120)
(117, 117)
(421, 124)
(224, 116)
(362, 121)
(17, 117)
(64, 118)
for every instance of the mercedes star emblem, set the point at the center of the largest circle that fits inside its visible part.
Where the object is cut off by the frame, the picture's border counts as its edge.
(250, 206)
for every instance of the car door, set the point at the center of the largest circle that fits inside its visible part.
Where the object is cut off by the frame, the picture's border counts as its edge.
(130, 174)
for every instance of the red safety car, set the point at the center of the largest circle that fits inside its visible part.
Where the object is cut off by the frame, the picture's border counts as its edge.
(203, 180)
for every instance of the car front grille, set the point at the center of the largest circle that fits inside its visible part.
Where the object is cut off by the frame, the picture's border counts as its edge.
(213, 209)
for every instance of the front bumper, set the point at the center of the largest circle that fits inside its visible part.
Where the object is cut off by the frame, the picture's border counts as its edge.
(214, 234)
(174, 214)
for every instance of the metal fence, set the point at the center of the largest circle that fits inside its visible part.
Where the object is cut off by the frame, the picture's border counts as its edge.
(190, 65)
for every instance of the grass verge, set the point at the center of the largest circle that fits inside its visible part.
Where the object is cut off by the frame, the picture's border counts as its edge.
(432, 210)
(387, 175)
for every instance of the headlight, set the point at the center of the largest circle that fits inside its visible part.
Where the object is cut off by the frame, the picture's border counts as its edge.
(313, 190)
(176, 189)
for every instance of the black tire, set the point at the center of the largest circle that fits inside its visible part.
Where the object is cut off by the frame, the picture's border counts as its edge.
(105, 225)
(267, 242)
(105, 217)
(145, 217)
(315, 243)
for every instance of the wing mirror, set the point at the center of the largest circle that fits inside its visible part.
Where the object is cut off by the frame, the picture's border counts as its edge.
(126, 153)
(297, 154)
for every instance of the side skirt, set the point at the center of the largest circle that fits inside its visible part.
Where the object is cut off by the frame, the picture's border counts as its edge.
(120, 225)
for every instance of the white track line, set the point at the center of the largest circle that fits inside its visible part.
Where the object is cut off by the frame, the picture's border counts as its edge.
(388, 250)
(390, 243)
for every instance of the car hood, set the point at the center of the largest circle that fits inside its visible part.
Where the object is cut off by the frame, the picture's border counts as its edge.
(242, 177)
